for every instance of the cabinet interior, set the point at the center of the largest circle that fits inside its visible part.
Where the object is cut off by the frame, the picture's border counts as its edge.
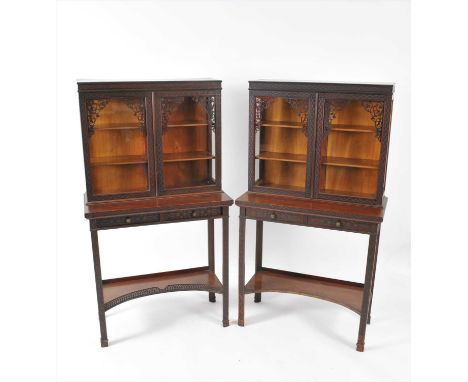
(118, 150)
(350, 153)
(281, 148)
(188, 147)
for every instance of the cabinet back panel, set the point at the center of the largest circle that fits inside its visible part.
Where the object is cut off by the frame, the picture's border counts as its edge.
(117, 143)
(188, 110)
(279, 111)
(283, 140)
(185, 139)
(186, 174)
(284, 174)
(116, 179)
(357, 182)
(351, 145)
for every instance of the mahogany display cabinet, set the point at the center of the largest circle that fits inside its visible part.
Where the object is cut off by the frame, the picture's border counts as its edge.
(152, 155)
(317, 158)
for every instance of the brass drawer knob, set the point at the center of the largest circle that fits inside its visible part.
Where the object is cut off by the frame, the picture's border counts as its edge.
(272, 215)
(128, 220)
(338, 223)
(194, 214)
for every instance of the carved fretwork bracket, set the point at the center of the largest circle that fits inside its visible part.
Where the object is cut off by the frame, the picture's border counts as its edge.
(331, 109)
(261, 103)
(375, 109)
(301, 107)
(94, 107)
(209, 106)
(167, 107)
(170, 103)
(138, 107)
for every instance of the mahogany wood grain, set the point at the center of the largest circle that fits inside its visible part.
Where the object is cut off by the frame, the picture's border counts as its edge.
(155, 204)
(345, 293)
(312, 206)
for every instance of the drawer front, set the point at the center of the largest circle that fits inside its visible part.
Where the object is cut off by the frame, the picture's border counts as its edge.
(340, 224)
(127, 221)
(276, 216)
(194, 214)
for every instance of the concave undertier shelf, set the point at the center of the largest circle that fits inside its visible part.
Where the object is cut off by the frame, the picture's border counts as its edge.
(350, 162)
(353, 128)
(188, 124)
(345, 293)
(283, 157)
(187, 156)
(117, 291)
(286, 124)
(118, 160)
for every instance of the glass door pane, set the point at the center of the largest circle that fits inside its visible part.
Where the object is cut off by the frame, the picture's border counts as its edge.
(188, 141)
(350, 151)
(117, 145)
(281, 143)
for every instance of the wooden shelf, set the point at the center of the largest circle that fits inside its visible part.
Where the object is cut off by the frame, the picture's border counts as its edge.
(123, 289)
(347, 193)
(283, 157)
(186, 157)
(119, 160)
(188, 124)
(350, 162)
(118, 126)
(345, 293)
(261, 183)
(353, 128)
(285, 124)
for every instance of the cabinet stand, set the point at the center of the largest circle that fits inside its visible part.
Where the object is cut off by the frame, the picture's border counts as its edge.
(336, 216)
(113, 292)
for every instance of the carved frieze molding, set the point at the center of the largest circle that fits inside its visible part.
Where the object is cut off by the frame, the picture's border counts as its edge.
(375, 109)
(156, 290)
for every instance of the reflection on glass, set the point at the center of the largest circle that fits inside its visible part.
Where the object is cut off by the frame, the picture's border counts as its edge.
(350, 149)
(117, 145)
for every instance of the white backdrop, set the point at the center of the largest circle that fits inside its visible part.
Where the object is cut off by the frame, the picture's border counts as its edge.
(179, 336)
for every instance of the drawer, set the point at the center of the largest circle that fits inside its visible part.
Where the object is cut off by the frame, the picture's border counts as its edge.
(340, 224)
(195, 214)
(127, 221)
(273, 216)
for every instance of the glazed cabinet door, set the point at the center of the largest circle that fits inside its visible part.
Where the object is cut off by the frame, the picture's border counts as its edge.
(117, 138)
(280, 142)
(352, 145)
(188, 144)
